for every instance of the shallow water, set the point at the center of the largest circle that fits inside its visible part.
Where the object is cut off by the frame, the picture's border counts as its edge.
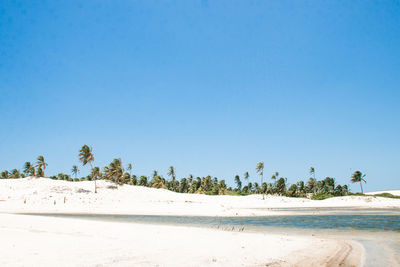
(377, 229)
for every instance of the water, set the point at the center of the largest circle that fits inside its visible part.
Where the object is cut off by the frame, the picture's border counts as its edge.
(378, 230)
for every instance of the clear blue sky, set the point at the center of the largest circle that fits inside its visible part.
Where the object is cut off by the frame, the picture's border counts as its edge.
(210, 87)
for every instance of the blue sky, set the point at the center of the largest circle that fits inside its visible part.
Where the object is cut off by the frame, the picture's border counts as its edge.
(210, 87)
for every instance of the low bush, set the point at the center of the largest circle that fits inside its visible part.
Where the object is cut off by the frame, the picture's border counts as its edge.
(321, 196)
(386, 195)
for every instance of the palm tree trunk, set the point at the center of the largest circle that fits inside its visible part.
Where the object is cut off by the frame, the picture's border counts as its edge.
(95, 186)
(362, 192)
(262, 178)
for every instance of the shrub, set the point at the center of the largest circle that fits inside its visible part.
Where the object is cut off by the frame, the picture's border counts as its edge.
(321, 196)
(386, 195)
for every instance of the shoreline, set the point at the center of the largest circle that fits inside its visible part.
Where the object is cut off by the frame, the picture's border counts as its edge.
(124, 244)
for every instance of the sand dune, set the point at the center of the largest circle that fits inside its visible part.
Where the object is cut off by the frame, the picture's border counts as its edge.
(46, 195)
(393, 192)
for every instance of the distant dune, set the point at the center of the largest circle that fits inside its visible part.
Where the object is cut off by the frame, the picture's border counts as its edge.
(393, 192)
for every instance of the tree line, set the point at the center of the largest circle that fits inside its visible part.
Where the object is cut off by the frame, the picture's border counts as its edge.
(116, 172)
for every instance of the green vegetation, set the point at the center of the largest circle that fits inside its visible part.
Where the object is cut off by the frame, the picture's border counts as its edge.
(115, 172)
(386, 195)
(321, 196)
(358, 177)
(86, 156)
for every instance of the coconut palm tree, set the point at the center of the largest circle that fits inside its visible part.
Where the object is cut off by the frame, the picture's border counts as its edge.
(171, 172)
(158, 182)
(5, 175)
(246, 176)
(86, 156)
(96, 173)
(260, 170)
(275, 176)
(129, 168)
(238, 182)
(114, 171)
(358, 177)
(312, 172)
(75, 171)
(41, 164)
(174, 184)
(29, 169)
(15, 174)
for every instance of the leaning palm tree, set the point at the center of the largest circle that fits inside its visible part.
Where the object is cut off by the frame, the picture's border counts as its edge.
(41, 164)
(260, 170)
(29, 169)
(358, 177)
(86, 156)
(75, 171)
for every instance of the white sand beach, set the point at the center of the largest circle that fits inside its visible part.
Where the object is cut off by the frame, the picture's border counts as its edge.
(44, 241)
(29, 240)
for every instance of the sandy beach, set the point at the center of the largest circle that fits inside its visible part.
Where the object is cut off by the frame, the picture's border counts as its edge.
(45, 241)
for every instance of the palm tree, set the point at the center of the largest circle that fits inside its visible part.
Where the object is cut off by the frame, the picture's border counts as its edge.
(75, 171)
(260, 170)
(114, 171)
(15, 174)
(5, 175)
(129, 168)
(96, 173)
(29, 169)
(312, 172)
(246, 176)
(171, 172)
(358, 177)
(86, 156)
(238, 182)
(158, 182)
(41, 164)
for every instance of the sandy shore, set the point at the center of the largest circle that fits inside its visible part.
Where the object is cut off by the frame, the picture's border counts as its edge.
(47, 241)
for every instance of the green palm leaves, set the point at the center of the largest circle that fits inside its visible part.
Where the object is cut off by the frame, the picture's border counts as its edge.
(358, 177)
(41, 165)
(86, 156)
(114, 171)
(260, 170)
(29, 169)
(171, 172)
(129, 168)
(75, 170)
